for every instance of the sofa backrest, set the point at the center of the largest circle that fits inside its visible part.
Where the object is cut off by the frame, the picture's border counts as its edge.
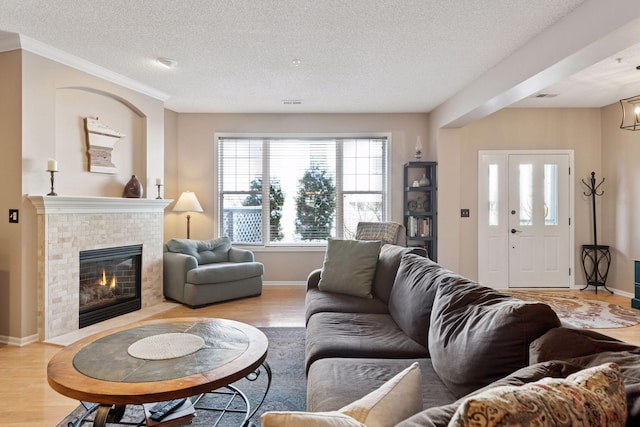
(204, 251)
(388, 263)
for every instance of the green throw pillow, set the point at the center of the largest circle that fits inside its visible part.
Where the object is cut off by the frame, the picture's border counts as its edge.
(349, 267)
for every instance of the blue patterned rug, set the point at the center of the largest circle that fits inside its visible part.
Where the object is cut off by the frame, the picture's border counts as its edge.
(288, 388)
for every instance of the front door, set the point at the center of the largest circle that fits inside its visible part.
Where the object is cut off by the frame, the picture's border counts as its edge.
(525, 233)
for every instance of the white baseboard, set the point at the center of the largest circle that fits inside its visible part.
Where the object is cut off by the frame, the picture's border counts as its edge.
(18, 342)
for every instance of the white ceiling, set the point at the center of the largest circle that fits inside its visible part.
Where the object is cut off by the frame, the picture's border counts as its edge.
(356, 56)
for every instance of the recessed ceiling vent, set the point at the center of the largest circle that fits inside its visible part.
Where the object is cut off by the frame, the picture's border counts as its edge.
(546, 95)
(292, 101)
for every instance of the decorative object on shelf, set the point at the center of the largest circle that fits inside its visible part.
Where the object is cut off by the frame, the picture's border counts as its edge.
(424, 181)
(100, 142)
(158, 184)
(596, 259)
(418, 148)
(630, 112)
(415, 183)
(52, 168)
(133, 189)
(188, 202)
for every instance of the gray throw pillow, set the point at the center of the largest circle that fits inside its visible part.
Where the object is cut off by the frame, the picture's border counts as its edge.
(388, 263)
(349, 267)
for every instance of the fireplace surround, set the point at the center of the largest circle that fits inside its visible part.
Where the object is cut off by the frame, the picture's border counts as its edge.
(68, 225)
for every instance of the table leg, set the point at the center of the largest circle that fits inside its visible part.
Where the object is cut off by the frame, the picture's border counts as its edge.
(267, 369)
(108, 413)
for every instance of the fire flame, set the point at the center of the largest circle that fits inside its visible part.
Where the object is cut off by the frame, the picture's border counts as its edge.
(112, 283)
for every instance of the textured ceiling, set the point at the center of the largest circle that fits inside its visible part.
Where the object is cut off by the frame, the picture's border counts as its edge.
(238, 56)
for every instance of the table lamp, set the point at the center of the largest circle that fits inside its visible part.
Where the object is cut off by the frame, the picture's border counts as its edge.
(188, 202)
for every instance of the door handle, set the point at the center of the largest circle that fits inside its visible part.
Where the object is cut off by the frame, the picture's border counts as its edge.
(514, 231)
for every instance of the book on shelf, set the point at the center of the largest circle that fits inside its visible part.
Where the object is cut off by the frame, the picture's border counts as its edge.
(419, 227)
(185, 412)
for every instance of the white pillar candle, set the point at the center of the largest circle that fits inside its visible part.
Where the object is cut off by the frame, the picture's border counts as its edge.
(52, 165)
(158, 181)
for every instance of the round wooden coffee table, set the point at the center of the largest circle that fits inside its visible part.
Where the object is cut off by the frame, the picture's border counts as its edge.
(101, 369)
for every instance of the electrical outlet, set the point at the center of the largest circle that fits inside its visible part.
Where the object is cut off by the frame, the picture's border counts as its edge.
(13, 216)
(464, 213)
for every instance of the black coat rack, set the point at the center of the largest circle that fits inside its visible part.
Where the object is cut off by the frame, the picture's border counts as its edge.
(596, 259)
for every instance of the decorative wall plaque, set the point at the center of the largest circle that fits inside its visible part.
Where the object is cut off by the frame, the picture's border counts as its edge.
(100, 142)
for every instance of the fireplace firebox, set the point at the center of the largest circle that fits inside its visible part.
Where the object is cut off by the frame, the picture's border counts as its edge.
(110, 283)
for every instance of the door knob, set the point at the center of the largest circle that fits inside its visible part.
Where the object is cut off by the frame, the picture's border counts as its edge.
(514, 231)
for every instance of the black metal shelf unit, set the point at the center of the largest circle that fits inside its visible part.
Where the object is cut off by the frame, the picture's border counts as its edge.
(421, 206)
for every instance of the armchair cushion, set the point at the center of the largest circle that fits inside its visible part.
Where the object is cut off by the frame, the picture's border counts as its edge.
(223, 272)
(204, 251)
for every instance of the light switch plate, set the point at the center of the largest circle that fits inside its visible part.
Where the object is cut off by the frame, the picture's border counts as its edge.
(14, 216)
(464, 213)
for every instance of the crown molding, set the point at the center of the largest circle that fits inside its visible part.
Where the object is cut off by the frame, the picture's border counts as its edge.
(19, 41)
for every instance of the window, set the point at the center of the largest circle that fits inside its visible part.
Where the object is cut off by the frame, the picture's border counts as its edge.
(318, 187)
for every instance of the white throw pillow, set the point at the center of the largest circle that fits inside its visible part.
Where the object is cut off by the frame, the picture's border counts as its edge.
(394, 401)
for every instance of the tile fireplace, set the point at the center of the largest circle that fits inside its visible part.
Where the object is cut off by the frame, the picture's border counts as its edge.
(70, 225)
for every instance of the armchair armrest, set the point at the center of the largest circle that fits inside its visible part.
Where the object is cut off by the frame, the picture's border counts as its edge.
(313, 279)
(240, 255)
(175, 268)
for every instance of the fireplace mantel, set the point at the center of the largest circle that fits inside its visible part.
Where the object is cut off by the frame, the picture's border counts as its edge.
(91, 204)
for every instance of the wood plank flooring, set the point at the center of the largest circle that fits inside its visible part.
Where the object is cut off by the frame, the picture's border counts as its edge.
(27, 399)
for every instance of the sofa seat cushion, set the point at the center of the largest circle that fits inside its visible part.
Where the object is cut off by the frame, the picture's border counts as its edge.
(317, 301)
(357, 335)
(223, 272)
(335, 382)
(478, 335)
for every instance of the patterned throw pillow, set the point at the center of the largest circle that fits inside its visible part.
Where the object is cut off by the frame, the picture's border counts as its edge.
(592, 397)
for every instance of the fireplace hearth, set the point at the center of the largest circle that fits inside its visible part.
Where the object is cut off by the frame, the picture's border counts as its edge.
(110, 283)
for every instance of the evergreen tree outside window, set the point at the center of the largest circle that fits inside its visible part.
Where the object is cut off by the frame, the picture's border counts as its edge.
(320, 187)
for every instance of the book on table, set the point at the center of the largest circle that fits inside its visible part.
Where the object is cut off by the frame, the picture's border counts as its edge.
(184, 412)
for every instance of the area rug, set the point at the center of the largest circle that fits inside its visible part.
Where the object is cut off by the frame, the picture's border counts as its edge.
(288, 388)
(580, 312)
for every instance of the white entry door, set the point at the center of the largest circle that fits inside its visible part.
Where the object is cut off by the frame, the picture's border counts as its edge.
(524, 231)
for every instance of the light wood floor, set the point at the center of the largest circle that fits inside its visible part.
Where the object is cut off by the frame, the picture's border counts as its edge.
(27, 400)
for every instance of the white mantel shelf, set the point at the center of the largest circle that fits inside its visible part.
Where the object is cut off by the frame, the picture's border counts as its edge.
(89, 204)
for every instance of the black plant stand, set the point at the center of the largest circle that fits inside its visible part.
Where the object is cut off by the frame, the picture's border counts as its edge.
(596, 259)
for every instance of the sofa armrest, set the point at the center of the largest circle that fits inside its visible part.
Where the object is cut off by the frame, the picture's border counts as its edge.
(313, 279)
(175, 268)
(240, 255)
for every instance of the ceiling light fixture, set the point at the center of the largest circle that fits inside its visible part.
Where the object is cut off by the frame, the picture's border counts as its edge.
(292, 101)
(630, 113)
(167, 62)
(296, 62)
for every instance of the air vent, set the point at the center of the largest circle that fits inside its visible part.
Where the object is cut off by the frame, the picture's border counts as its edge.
(546, 95)
(292, 101)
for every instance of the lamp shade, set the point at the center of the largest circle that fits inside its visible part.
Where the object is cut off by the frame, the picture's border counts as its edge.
(188, 202)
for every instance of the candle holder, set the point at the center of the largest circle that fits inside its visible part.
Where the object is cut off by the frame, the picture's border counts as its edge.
(52, 193)
(158, 185)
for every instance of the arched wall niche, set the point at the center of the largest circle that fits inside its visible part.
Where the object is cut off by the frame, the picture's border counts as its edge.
(75, 103)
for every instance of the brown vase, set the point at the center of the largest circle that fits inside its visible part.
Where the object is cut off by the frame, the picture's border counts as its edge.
(133, 189)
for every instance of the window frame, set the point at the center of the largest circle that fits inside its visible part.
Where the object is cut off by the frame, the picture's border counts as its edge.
(312, 246)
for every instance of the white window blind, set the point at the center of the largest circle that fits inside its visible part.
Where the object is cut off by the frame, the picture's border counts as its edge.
(318, 188)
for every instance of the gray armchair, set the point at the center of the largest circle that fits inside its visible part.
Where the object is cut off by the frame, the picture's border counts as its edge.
(201, 272)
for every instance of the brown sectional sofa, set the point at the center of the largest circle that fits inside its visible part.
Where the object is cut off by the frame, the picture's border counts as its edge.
(466, 338)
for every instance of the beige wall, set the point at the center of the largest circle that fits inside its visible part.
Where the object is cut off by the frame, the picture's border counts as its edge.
(509, 129)
(11, 306)
(193, 154)
(619, 210)
(45, 104)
